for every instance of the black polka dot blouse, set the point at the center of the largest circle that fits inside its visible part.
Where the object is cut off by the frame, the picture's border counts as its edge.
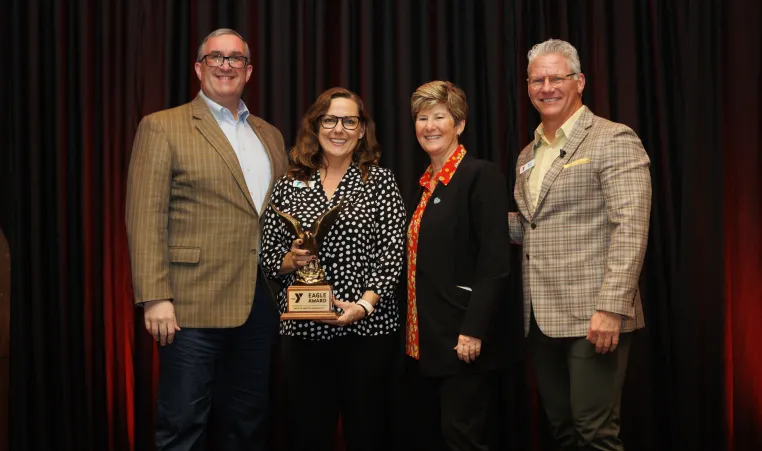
(363, 251)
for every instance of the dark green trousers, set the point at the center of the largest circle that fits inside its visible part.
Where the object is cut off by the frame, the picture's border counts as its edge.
(581, 390)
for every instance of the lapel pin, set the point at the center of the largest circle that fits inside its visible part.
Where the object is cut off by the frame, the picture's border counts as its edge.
(437, 200)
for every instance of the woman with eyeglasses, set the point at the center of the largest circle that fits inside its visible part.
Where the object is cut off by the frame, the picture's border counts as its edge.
(339, 367)
(457, 274)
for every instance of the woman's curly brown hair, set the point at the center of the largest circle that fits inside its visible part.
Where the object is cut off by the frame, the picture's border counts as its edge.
(307, 155)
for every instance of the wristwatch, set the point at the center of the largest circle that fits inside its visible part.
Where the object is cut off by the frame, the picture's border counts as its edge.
(367, 306)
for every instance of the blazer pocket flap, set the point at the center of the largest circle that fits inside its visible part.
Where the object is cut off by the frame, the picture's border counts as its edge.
(577, 162)
(184, 254)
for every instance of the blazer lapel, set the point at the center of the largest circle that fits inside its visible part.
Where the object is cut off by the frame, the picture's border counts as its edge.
(578, 135)
(524, 201)
(270, 147)
(207, 125)
(527, 198)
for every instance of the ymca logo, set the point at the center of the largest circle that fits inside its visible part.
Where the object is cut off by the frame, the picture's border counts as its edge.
(298, 297)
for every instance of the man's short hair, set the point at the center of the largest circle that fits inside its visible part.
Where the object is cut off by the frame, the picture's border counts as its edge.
(222, 32)
(556, 46)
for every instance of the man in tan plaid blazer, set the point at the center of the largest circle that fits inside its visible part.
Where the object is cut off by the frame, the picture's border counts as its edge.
(583, 190)
(199, 179)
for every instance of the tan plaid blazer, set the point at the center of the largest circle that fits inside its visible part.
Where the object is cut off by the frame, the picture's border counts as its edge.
(192, 227)
(584, 244)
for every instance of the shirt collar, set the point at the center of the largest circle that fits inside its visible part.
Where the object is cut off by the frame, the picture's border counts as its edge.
(221, 113)
(566, 128)
(352, 170)
(448, 169)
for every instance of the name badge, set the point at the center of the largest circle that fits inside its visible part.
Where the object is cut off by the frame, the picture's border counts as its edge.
(302, 184)
(526, 167)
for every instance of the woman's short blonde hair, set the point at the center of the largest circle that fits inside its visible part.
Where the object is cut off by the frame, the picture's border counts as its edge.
(440, 92)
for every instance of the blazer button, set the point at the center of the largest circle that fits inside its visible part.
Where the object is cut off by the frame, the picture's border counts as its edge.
(527, 256)
(253, 251)
(534, 226)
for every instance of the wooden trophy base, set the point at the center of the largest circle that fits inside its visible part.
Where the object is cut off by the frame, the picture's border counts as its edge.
(309, 302)
(310, 316)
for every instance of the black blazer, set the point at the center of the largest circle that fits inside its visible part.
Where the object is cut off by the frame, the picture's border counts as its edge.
(462, 270)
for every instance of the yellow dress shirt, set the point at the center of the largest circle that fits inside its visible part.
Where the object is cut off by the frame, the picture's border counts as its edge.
(546, 153)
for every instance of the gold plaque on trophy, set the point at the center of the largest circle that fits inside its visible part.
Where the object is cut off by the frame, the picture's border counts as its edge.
(309, 302)
(310, 296)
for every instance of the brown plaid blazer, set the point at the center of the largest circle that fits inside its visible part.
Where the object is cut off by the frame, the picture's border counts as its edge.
(584, 244)
(192, 227)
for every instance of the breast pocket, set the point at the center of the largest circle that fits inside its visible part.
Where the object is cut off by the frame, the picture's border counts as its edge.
(578, 170)
(577, 162)
(575, 183)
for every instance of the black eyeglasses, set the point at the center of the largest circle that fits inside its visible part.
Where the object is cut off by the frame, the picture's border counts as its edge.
(217, 60)
(330, 121)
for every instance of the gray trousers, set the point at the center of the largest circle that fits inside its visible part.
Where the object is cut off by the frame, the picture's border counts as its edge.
(580, 390)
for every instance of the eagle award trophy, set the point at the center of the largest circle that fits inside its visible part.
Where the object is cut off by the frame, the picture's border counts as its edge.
(310, 296)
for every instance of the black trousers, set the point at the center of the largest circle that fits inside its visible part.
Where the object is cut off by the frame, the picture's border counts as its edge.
(581, 390)
(218, 378)
(453, 413)
(347, 377)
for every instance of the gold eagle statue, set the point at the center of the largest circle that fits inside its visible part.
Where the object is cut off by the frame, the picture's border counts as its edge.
(312, 274)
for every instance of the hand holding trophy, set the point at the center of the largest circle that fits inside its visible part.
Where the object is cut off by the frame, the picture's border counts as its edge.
(310, 296)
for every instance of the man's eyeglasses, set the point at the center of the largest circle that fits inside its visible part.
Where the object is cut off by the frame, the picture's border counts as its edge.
(330, 121)
(216, 60)
(555, 80)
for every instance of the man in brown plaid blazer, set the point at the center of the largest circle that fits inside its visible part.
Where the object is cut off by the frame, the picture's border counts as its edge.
(583, 190)
(199, 179)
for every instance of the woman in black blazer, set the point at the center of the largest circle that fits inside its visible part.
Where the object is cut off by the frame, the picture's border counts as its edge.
(458, 259)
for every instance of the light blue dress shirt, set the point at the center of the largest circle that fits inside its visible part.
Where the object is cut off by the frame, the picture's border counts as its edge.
(252, 156)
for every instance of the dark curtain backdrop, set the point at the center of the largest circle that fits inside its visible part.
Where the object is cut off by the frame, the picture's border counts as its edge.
(686, 75)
